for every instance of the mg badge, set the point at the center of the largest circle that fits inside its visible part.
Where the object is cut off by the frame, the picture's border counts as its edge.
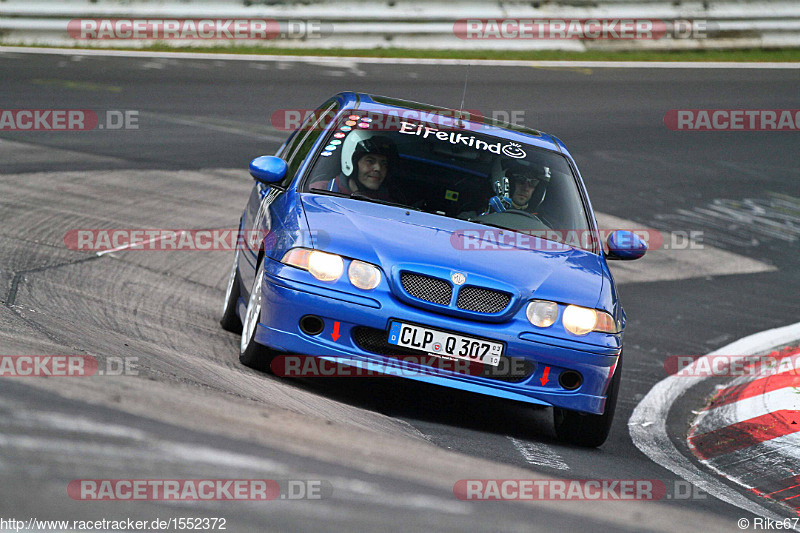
(458, 278)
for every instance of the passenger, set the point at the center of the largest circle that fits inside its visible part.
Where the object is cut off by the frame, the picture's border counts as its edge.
(367, 162)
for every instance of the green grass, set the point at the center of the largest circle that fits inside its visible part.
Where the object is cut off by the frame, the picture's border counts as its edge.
(745, 55)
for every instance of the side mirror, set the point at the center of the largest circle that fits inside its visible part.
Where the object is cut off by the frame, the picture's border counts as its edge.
(624, 244)
(268, 169)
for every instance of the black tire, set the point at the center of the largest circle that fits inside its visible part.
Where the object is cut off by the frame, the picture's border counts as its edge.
(584, 429)
(251, 353)
(230, 320)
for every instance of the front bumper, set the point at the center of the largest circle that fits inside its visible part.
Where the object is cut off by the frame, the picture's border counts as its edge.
(289, 294)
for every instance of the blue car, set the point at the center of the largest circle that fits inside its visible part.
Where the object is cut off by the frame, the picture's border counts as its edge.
(446, 248)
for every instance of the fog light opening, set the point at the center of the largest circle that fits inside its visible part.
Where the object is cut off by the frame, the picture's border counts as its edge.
(311, 325)
(570, 380)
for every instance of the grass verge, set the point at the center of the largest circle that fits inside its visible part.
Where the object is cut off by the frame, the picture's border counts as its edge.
(744, 55)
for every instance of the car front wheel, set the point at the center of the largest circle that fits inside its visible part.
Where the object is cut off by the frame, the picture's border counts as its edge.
(584, 429)
(251, 353)
(230, 319)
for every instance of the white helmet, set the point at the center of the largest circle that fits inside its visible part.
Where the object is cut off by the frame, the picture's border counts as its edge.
(361, 142)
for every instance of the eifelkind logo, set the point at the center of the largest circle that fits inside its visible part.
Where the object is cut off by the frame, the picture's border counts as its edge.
(511, 149)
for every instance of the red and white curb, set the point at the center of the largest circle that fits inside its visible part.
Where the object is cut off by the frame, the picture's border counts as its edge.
(647, 427)
(750, 432)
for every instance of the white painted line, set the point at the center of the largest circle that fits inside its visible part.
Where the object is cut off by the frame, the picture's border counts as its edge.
(762, 404)
(648, 430)
(539, 454)
(401, 61)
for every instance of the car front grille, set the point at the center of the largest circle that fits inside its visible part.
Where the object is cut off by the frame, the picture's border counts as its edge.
(427, 288)
(510, 369)
(440, 292)
(481, 300)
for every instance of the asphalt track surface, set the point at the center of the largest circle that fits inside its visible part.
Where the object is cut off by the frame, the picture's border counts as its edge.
(388, 451)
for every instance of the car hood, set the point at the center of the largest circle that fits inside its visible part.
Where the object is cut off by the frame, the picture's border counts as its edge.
(390, 237)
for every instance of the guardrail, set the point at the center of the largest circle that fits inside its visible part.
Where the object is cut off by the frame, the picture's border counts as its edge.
(418, 24)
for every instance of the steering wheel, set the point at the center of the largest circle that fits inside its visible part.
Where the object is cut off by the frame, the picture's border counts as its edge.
(523, 213)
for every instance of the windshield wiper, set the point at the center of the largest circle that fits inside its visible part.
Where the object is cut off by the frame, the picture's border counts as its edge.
(332, 193)
(532, 233)
(361, 196)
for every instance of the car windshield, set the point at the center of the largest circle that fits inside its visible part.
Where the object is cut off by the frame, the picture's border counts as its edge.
(457, 172)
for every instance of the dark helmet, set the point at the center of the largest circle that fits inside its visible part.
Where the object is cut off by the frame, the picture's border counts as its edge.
(506, 173)
(361, 142)
(517, 170)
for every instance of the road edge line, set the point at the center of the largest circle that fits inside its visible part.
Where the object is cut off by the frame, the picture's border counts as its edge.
(401, 60)
(648, 430)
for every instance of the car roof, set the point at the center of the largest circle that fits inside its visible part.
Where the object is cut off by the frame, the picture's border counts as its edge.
(498, 128)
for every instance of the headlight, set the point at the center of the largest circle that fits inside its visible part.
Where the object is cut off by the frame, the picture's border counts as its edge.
(321, 265)
(542, 313)
(363, 275)
(324, 266)
(297, 257)
(580, 321)
(605, 323)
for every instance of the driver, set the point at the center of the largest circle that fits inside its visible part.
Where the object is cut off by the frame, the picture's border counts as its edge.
(367, 159)
(528, 184)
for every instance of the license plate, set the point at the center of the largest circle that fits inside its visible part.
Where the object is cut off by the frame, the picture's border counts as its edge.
(445, 344)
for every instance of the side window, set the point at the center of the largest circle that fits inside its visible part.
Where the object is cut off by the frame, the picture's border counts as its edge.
(305, 137)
